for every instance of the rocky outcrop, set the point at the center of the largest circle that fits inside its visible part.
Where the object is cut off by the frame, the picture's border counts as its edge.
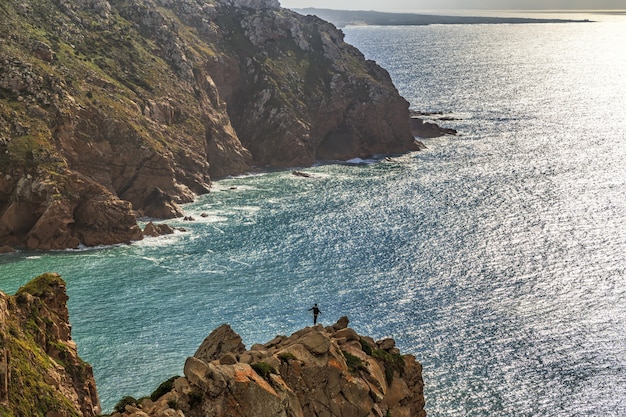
(428, 130)
(422, 125)
(315, 372)
(157, 229)
(111, 108)
(221, 341)
(44, 214)
(40, 371)
(306, 95)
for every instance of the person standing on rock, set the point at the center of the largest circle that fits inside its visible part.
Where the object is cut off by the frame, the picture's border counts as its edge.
(316, 312)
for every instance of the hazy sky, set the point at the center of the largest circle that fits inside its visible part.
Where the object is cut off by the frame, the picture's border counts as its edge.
(397, 5)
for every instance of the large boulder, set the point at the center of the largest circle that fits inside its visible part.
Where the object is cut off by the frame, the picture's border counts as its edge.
(158, 229)
(221, 341)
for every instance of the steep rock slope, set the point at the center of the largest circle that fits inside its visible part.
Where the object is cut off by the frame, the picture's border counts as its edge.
(106, 103)
(41, 374)
(316, 372)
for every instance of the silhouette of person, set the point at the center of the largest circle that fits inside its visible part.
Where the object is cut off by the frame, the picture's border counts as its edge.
(316, 311)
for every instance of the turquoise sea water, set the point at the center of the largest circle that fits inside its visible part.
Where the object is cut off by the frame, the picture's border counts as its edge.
(497, 258)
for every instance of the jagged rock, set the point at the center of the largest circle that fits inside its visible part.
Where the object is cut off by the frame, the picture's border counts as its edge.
(228, 359)
(160, 204)
(426, 130)
(221, 341)
(155, 230)
(4, 376)
(307, 374)
(43, 51)
(104, 220)
(348, 334)
(342, 323)
(386, 344)
(52, 230)
(301, 174)
(316, 343)
(40, 371)
(6, 249)
(47, 216)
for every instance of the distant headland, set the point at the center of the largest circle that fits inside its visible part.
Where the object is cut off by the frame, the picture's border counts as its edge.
(342, 18)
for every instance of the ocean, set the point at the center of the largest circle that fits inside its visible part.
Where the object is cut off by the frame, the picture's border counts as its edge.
(497, 257)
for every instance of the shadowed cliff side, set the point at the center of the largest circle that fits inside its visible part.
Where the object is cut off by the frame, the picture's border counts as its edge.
(110, 106)
(315, 372)
(41, 374)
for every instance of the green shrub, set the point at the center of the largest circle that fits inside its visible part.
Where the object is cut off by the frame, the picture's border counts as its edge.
(366, 347)
(40, 286)
(393, 362)
(195, 398)
(286, 357)
(164, 388)
(355, 364)
(264, 369)
(120, 407)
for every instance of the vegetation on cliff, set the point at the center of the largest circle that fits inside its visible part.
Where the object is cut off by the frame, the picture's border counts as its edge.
(110, 106)
(40, 372)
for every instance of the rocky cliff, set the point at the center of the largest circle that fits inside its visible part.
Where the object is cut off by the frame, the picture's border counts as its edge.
(315, 372)
(112, 106)
(41, 374)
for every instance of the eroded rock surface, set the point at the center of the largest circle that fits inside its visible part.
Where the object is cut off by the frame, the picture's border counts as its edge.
(41, 373)
(315, 372)
(112, 108)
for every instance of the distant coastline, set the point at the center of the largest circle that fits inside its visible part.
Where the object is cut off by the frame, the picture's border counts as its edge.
(342, 18)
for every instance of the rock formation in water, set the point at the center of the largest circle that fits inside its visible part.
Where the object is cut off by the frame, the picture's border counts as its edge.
(316, 372)
(111, 107)
(41, 374)
(426, 130)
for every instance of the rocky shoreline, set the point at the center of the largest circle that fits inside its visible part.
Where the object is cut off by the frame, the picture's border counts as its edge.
(317, 371)
(112, 109)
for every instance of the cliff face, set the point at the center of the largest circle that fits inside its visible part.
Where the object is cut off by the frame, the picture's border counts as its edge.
(298, 93)
(110, 106)
(41, 374)
(315, 372)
